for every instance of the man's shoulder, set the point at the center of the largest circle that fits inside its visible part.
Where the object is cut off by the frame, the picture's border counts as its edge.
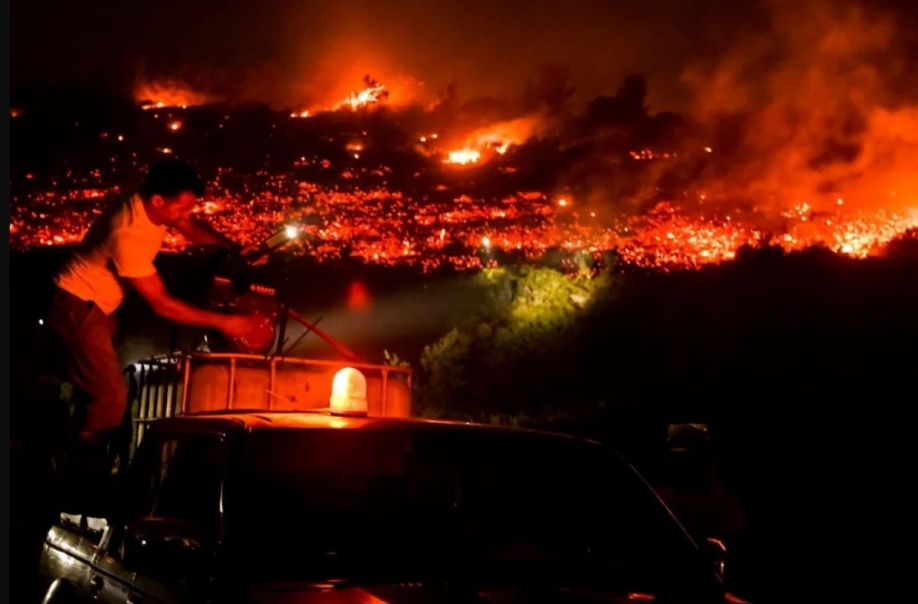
(116, 215)
(130, 219)
(124, 212)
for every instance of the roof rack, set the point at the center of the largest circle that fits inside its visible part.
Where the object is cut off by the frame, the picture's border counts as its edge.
(195, 383)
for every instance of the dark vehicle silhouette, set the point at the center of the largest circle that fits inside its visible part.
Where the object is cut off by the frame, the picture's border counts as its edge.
(306, 507)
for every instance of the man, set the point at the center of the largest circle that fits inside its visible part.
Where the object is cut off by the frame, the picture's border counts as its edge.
(118, 251)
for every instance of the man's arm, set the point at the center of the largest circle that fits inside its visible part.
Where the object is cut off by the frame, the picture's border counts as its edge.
(154, 292)
(201, 233)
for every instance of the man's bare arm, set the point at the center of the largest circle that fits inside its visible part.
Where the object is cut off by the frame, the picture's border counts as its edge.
(201, 233)
(154, 292)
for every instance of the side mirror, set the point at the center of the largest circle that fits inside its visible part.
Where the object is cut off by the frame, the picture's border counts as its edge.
(165, 548)
(716, 552)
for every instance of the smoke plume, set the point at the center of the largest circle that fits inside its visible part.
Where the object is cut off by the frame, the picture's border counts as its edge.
(813, 110)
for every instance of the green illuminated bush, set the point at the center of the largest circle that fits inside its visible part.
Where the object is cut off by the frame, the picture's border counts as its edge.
(516, 358)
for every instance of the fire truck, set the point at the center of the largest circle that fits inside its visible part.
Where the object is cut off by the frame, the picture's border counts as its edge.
(258, 373)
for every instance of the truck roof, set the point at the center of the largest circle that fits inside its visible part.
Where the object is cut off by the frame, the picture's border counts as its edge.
(267, 420)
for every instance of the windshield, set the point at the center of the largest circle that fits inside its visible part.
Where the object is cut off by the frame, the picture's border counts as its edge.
(417, 502)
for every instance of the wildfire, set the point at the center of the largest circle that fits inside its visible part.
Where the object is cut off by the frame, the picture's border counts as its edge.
(464, 156)
(649, 155)
(493, 140)
(385, 227)
(159, 95)
(447, 224)
(373, 93)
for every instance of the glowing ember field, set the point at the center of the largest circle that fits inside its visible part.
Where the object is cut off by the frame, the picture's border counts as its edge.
(385, 227)
(367, 215)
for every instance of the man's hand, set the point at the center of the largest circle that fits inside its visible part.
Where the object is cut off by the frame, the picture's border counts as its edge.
(152, 289)
(243, 326)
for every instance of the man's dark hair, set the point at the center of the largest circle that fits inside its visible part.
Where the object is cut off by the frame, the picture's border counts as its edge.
(170, 178)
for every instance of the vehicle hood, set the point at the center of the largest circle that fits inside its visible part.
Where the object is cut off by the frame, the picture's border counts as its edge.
(417, 594)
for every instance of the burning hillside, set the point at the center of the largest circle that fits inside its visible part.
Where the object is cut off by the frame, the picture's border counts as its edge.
(818, 151)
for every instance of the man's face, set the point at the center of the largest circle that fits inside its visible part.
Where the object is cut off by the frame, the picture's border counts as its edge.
(173, 210)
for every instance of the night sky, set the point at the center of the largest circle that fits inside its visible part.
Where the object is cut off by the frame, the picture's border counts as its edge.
(284, 50)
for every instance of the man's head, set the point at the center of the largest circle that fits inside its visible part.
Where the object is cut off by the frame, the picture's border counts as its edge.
(170, 191)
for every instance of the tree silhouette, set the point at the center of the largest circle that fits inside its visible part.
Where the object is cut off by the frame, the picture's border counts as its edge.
(628, 106)
(549, 91)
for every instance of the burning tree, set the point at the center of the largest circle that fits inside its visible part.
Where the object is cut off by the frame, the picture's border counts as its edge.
(373, 92)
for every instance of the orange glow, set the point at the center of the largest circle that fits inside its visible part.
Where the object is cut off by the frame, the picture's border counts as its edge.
(157, 95)
(463, 156)
(447, 226)
(373, 93)
(358, 296)
(385, 227)
(492, 140)
(14, 112)
(349, 393)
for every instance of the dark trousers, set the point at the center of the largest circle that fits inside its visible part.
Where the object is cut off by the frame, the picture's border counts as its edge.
(99, 389)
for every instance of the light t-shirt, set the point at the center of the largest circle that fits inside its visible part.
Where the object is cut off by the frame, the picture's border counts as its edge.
(121, 243)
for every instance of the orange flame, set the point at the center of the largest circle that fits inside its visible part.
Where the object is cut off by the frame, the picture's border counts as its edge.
(464, 156)
(373, 93)
(494, 139)
(158, 95)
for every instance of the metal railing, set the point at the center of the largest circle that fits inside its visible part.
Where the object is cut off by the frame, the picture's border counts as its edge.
(165, 382)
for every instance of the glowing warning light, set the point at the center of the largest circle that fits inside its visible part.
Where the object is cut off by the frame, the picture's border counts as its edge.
(165, 150)
(120, 137)
(175, 126)
(707, 149)
(292, 231)
(349, 393)
(486, 242)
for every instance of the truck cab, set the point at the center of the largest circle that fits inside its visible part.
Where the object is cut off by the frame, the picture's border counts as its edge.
(279, 506)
